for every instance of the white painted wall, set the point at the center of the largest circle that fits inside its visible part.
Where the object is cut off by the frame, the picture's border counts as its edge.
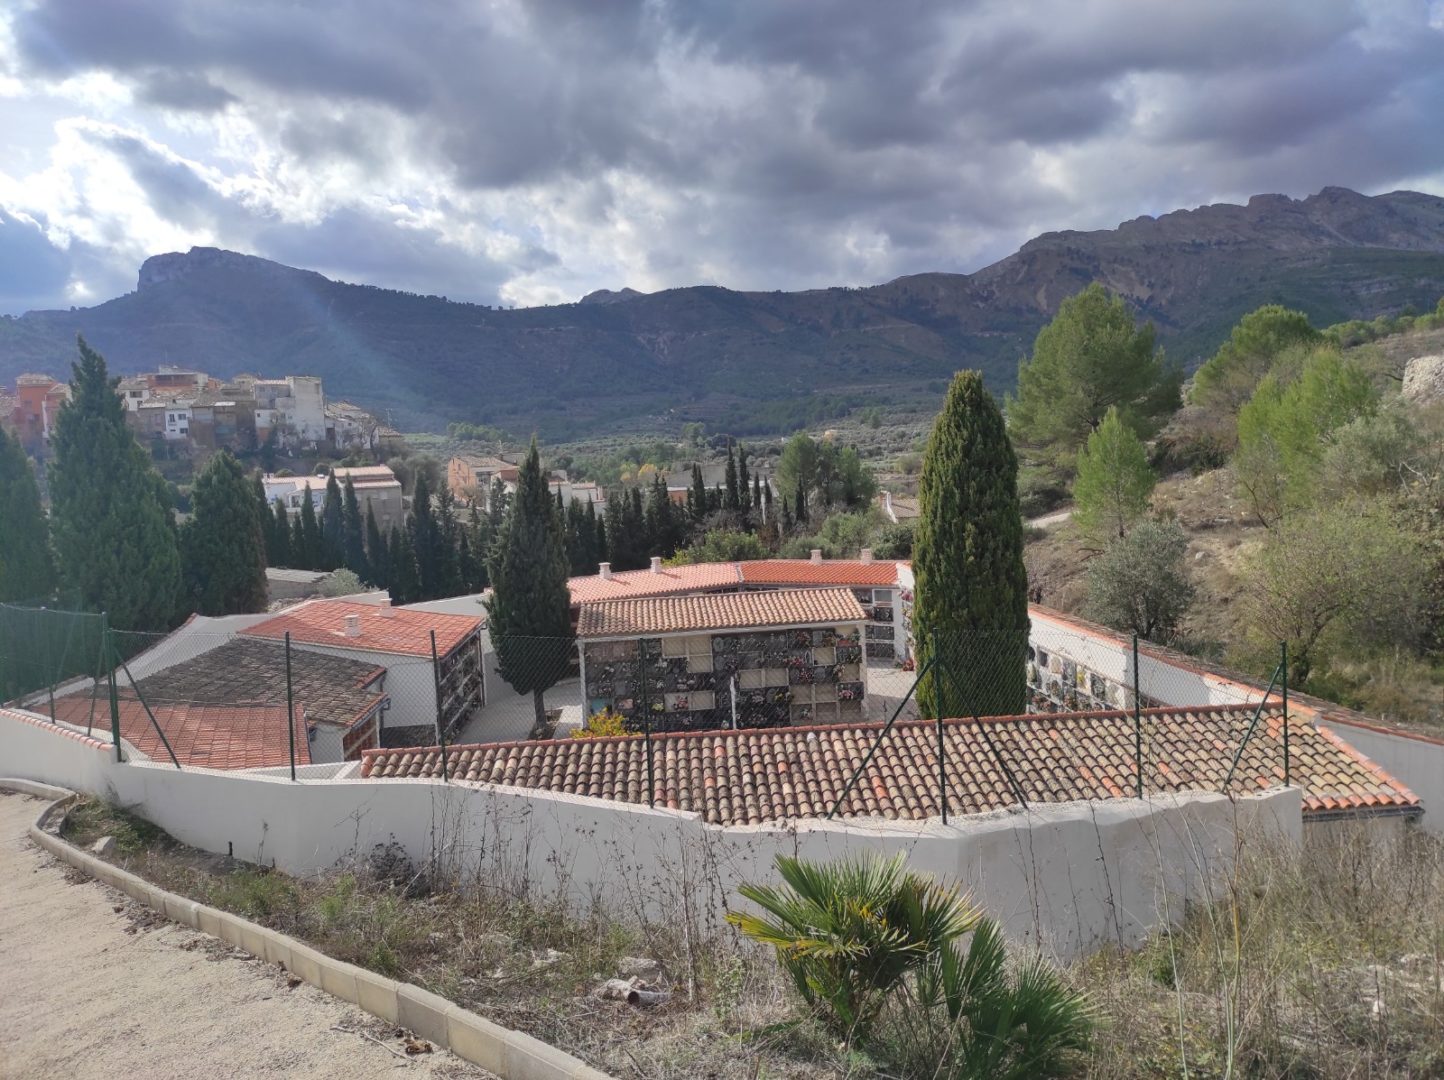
(1416, 760)
(1068, 877)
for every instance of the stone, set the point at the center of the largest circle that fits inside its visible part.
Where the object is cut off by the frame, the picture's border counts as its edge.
(1424, 378)
(103, 847)
(638, 967)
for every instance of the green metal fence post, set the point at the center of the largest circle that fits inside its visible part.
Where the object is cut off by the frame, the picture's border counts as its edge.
(1137, 719)
(942, 760)
(440, 720)
(290, 709)
(112, 655)
(1284, 686)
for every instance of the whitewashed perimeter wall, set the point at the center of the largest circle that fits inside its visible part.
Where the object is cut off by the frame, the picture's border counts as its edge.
(1068, 878)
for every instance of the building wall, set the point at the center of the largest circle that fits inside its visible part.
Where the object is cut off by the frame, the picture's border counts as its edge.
(1068, 877)
(684, 682)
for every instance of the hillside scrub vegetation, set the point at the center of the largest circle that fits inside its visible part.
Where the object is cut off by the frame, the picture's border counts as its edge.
(1317, 524)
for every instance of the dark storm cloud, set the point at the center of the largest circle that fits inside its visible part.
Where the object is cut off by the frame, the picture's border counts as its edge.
(779, 144)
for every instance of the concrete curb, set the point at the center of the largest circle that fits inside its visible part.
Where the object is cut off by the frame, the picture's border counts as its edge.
(512, 1055)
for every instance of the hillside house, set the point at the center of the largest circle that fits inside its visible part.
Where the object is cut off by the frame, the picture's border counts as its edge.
(400, 641)
(376, 488)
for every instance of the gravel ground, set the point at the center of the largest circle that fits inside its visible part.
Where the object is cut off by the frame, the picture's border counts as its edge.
(95, 985)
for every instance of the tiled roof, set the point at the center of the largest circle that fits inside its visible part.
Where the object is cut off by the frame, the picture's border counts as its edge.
(880, 572)
(773, 774)
(331, 689)
(240, 736)
(365, 476)
(718, 611)
(671, 579)
(389, 630)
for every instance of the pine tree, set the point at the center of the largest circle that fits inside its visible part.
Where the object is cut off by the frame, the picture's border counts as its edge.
(698, 497)
(222, 547)
(530, 617)
(313, 547)
(353, 532)
(27, 568)
(972, 590)
(1114, 482)
(377, 559)
(115, 541)
(333, 526)
(281, 534)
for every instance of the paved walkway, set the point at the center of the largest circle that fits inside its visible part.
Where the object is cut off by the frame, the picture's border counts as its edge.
(94, 986)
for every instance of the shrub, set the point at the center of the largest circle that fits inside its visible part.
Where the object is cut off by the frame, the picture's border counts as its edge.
(603, 725)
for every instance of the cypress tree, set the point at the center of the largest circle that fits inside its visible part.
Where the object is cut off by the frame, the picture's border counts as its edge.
(744, 483)
(403, 578)
(353, 532)
(268, 523)
(376, 553)
(27, 569)
(757, 495)
(222, 548)
(448, 547)
(698, 497)
(636, 526)
(466, 570)
(333, 526)
(529, 608)
(766, 500)
(281, 532)
(602, 548)
(972, 590)
(799, 508)
(581, 535)
(732, 500)
(618, 551)
(661, 529)
(312, 545)
(300, 557)
(425, 539)
(480, 537)
(115, 541)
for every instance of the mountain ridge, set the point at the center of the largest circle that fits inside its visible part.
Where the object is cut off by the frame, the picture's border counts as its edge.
(748, 360)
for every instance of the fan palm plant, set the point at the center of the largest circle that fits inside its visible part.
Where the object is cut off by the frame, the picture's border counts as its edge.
(849, 932)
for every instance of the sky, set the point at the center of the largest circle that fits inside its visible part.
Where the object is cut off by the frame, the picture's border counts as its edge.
(529, 153)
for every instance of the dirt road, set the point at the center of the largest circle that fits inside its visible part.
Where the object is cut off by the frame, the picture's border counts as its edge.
(93, 985)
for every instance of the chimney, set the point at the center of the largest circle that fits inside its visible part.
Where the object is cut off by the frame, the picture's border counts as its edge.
(605, 569)
(866, 555)
(386, 610)
(656, 564)
(353, 625)
(817, 555)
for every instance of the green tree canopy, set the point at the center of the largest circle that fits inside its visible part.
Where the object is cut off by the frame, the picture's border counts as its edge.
(1092, 357)
(1139, 584)
(823, 474)
(1285, 431)
(972, 590)
(1114, 481)
(222, 547)
(115, 540)
(1229, 377)
(530, 607)
(721, 545)
(27, 569)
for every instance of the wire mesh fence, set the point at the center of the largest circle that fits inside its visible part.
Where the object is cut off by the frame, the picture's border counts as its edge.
(208, 696)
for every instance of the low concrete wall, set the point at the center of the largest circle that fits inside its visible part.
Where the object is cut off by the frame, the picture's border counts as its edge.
(1064, 877)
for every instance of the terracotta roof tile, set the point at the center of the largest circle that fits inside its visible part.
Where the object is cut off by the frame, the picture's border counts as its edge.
(239, 736)
(880, 572)
(385, 630)
(769, 774)
(330, 689)
(717, 611)
(637, 583)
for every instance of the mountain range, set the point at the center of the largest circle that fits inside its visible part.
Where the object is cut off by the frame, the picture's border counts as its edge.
(747, 362)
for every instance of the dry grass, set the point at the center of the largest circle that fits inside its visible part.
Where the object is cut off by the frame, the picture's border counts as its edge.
(525, 964)
(1325, 962)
